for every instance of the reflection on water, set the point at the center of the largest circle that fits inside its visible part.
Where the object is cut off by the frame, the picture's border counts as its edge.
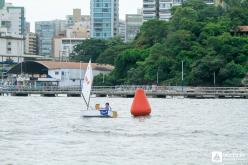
(38, 130)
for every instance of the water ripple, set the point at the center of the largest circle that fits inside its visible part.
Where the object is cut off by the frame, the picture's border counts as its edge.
(39, 130)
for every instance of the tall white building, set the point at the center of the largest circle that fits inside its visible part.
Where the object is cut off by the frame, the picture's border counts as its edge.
(77, 25)
(31, 43)
(12, 19)
(63, 47)
(160, 9)
(76, 18)
(79, 30)
(17, 18)
(60, 26)
(104, 18)
(45, 31)
(116, 17)
(2, 3)
(133, 24)
(11, 46)
(122, 30)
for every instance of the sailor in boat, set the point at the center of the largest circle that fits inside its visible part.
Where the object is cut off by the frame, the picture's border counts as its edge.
(104, 111)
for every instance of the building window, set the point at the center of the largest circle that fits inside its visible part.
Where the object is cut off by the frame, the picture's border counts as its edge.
(9, 50)
(56, 73)
(9, 43)
(63, 73)
(105, 10)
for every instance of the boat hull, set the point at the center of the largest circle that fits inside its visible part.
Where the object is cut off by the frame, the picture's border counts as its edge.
(99, 114)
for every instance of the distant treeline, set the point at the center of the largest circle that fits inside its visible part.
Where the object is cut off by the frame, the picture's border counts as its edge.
(202, 36)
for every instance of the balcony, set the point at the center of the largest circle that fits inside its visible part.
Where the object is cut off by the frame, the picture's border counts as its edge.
(149, 2)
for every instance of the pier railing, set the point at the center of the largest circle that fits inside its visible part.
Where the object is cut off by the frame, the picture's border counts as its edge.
(128, 90)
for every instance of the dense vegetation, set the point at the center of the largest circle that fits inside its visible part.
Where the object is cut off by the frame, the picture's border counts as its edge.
(202, 36)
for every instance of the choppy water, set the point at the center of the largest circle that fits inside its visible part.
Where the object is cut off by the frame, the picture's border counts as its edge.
(40, 131)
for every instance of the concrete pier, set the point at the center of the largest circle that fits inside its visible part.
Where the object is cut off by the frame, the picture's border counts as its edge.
(128, 91)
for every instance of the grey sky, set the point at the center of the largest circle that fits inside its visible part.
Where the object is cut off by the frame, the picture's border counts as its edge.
(42, 10)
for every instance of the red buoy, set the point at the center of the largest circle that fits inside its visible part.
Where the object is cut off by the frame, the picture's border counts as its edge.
(140, 106)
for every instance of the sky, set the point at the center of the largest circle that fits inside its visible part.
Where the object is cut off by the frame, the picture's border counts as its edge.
(44, 10)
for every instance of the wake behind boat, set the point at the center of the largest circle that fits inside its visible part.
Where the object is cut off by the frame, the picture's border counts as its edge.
(86, 91)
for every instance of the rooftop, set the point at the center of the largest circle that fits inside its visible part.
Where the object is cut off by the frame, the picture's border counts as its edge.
(42, 67)
(243, 28)
(74, 65)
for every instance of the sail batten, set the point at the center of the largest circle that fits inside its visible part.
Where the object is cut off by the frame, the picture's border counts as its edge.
(87, 84)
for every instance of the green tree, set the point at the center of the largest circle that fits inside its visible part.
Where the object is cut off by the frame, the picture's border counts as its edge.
(198, 34)
(88, 49)
(126, 60)
(151, 32)
(111, 53)
(179, 40)
(183, 18)
(232, 74)
(203, 70)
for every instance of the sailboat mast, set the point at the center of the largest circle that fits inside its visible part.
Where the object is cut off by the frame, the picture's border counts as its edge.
(87, 104)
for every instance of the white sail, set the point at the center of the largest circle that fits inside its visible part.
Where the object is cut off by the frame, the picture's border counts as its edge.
(87, 84)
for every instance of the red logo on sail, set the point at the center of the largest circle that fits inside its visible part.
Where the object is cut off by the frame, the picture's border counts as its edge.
(87, 80)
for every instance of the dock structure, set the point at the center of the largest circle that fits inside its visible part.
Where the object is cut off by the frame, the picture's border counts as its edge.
(128, 91)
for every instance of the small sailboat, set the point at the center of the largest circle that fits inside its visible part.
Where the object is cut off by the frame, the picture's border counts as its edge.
(86, 92)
